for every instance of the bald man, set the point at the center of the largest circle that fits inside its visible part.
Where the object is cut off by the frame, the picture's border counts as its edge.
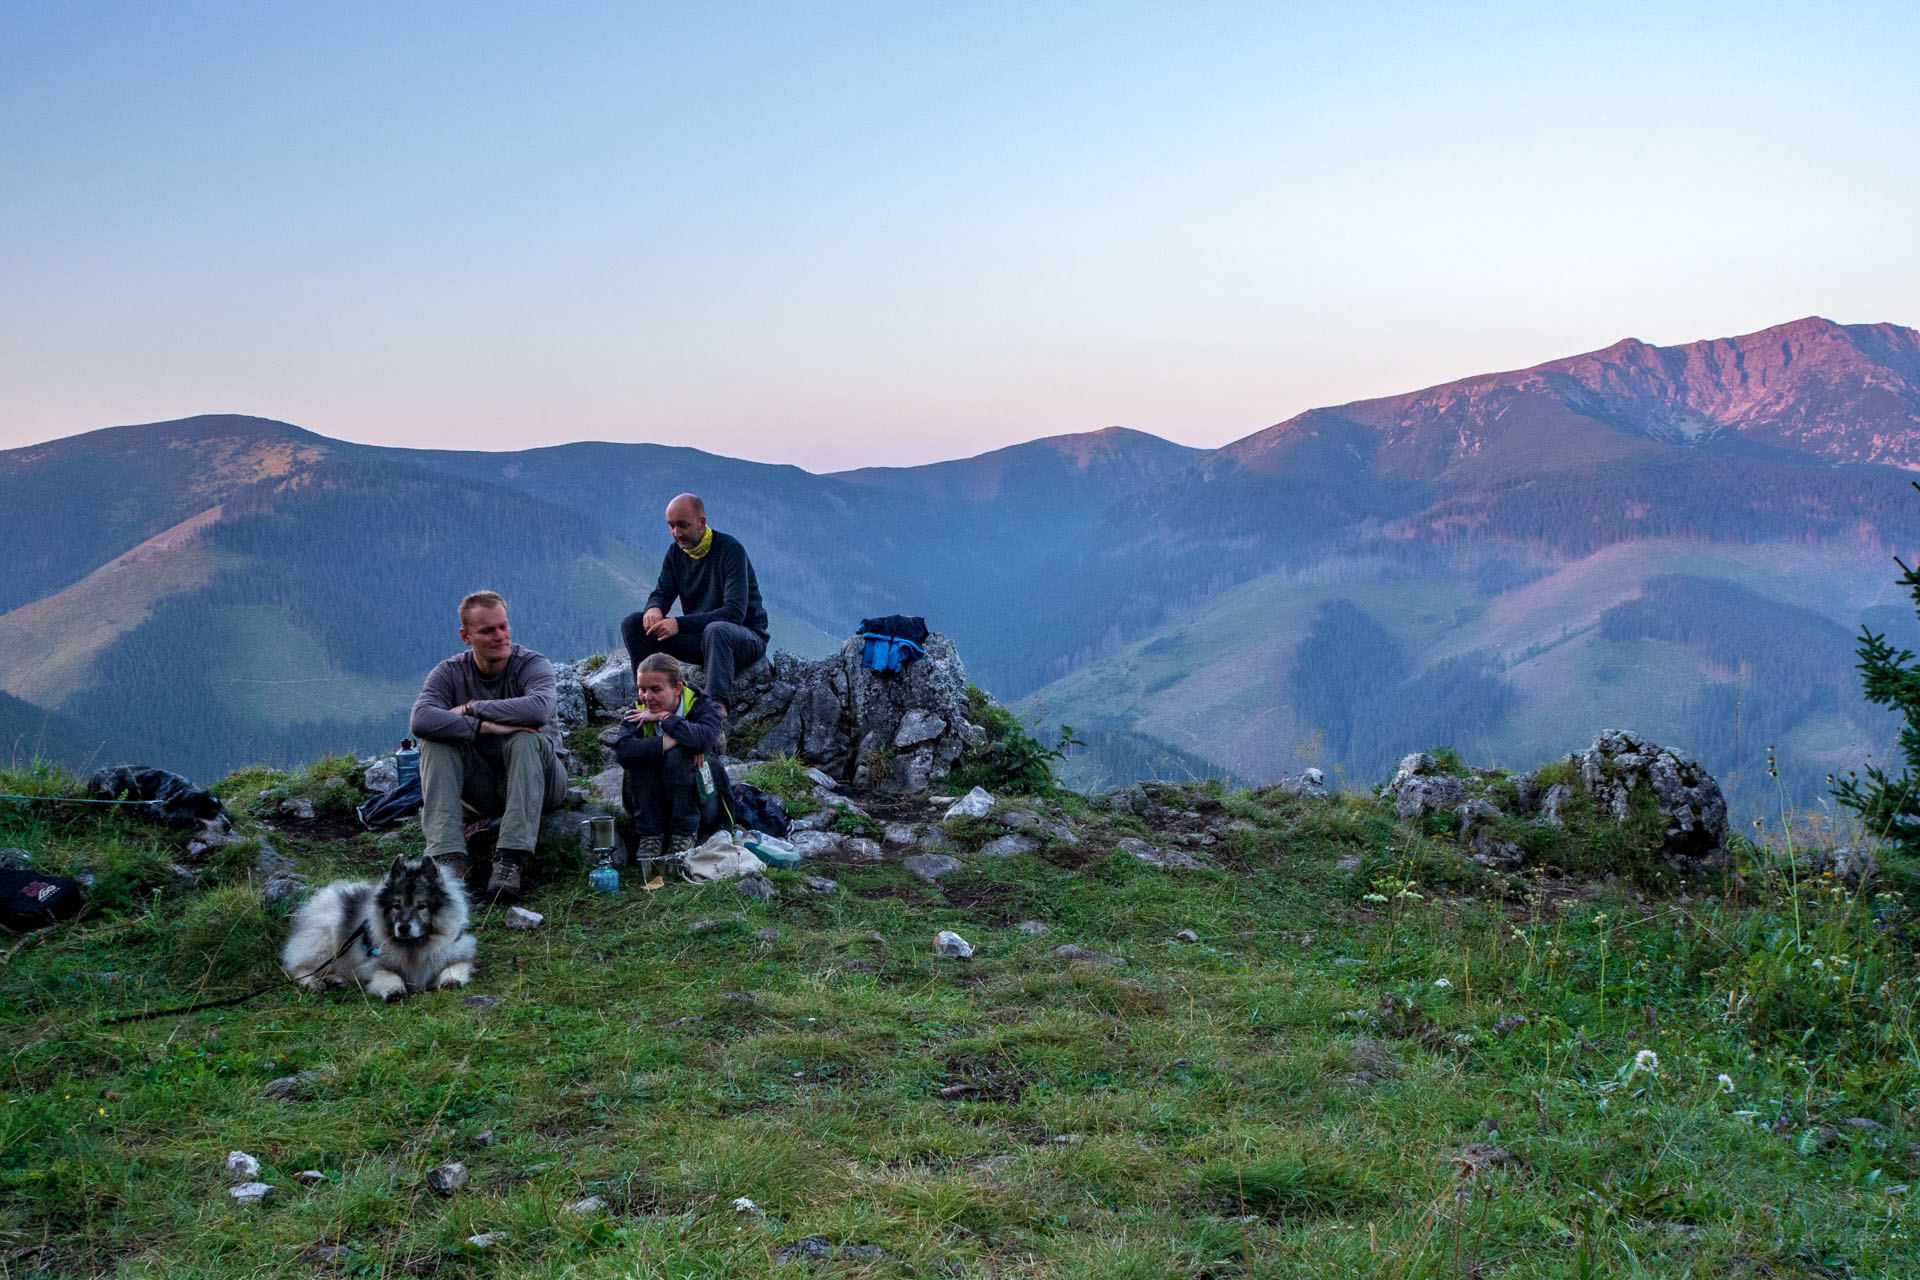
(722, 624)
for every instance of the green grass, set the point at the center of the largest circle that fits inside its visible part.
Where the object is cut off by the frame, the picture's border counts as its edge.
(1299, 1093)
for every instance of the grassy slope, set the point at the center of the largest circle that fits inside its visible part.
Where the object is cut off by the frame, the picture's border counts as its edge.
(1295, 1094)
(1215, 683)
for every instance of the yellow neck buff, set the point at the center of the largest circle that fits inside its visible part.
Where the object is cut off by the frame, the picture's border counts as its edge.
(703, 546)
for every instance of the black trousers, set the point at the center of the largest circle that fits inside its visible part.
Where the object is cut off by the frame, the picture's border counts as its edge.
(661, 795)
(722, 648)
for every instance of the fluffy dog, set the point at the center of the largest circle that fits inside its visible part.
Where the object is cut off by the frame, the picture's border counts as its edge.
(411, 927)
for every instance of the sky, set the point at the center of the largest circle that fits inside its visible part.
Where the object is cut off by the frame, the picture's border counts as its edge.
(839, 234)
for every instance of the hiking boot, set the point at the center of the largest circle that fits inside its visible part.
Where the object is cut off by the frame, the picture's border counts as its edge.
(646, 855)
(456, 864)
(676, 851)
(503, 882)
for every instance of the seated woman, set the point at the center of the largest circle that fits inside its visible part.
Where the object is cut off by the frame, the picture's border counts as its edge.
(672, 731)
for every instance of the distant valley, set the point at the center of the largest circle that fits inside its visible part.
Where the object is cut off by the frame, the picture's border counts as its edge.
(1680, 540)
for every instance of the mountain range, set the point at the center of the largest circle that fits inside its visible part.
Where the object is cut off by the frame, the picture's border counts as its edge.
(1681, 540)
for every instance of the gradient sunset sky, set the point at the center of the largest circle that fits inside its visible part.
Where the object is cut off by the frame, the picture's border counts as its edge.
(838, 234)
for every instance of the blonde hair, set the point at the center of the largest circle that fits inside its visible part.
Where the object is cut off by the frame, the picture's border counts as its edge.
(481, 600)
(665, 665)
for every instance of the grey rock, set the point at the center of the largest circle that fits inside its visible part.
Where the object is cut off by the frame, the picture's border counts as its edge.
(251, 1193)
(1347, 862)
(1186, 935)
(584, 1206)
(901, 833)
(444, 1180)
(1060, 833)
(1491, 852)
(1419, 789)
(1851, 866)
(241, 1167)
(381, 776)
(931, 866)
(1098, 959)
(814, 821)
(861, 848)
(822, 779)
(269, 861)
(1020, 819)
(757, 887)
(605, 787)
(486, 1239)
(1308, 782)
(571, 705)
(1165, 859)
(702, 926)
(15, 859)
(951, 946)
(977, 803)
(918, 725)
(283, 887)
(609, 691)
(820, 884)
(1034, 927)
(521, 918)
(1008, 846)
(482, 1002)
(767, 937)
(1474, 814)
(299, 808)
(815, 844)
(1689, 798)
(1556, 796)
(310, 1177)
(1132, 798)
(289, 1088)
(484, 1138)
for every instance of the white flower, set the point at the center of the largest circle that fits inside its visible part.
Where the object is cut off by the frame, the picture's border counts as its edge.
(1726, 1083)
(1646, 1060)
(1441, 982)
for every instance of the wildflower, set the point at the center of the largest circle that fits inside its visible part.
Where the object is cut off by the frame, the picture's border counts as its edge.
(1646, 1060)
(1441, 982)
(1726, 1083)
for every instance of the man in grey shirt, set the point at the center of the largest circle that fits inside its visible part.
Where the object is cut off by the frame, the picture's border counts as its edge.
(489, 739)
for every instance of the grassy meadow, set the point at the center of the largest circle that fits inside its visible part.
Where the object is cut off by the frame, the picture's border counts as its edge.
(1371, 1058)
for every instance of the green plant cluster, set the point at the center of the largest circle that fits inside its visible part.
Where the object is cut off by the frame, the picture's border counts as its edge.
(1009, 759)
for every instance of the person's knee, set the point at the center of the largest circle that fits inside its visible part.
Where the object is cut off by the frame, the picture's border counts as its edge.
(677, 764)
(634, 636)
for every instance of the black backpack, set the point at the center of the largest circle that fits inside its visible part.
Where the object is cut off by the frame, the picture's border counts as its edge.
(760, 811)
(32, 899)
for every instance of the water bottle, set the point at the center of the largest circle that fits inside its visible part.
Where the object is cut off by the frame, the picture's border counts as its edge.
(406, 761)
(605, 879)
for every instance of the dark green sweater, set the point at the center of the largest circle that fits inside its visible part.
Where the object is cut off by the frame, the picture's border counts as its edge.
(718, 587)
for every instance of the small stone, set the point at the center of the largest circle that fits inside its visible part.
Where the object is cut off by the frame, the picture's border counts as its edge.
(767, 936)
(444, 1180)
(241, 1167)
(484, 1138)
(901, 833)
(951, 946)
(15, 859)
(1034, 927)
(815, 844)
(521, 918)
(1186, 935)
(931, 866)
(701, 926)
(1008, 846)
(289, 1088)
(269, 861)
(382, 776)
(821, 778)
(862, 848)
(309, 1177)
(1347, 862)
(282, 887)
(299, 808)
(690, 1018)
(584, 1205)
(806, 1249)
(486, 1239)
(1098, 959)
(251, 1193)
(482, 1002)
(820, 884)
(977, 803)
(757, 887)
(1066, 1139)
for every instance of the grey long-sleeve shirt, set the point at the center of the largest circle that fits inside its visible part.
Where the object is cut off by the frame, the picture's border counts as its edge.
(522, 693)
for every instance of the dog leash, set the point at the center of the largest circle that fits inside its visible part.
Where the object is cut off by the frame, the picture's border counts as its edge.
(353, 937)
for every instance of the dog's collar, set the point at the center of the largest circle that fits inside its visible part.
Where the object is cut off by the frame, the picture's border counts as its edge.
(369, 948)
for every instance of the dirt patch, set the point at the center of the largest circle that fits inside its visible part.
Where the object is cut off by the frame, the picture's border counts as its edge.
(999, 905)
(908, 893)
(971, 1079)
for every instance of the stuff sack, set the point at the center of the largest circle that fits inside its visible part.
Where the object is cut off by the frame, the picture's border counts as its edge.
(759, 810)
(891, 642)
(393, 808)
(32, 899)
(722, 857)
